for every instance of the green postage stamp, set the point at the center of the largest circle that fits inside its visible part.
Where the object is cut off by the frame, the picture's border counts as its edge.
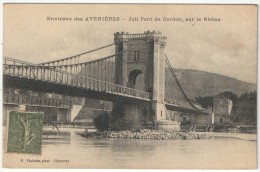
(25, 132)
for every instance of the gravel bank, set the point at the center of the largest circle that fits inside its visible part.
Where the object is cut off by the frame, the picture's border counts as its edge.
(153, 134)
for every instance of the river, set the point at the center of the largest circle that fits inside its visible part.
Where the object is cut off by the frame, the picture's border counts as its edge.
(70, 149)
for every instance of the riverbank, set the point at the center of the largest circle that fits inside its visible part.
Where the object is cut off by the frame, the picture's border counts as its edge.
(150, 135)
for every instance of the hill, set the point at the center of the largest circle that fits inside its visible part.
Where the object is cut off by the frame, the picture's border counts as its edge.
(199, 83)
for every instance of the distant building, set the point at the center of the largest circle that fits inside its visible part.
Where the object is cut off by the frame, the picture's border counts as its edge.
(222, 108)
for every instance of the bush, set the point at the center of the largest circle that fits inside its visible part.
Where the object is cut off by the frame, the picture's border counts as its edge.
(101, 122)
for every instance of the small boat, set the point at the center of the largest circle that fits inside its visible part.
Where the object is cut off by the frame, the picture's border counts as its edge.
(89, 132)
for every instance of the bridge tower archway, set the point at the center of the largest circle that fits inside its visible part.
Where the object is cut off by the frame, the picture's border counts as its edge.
(135, 79)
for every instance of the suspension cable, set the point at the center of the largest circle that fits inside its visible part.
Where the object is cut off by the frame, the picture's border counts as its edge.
(93, 61)
(168, 83)
(71, 57)
(179, 85)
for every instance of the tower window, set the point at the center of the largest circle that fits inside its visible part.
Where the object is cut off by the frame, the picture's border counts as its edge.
(136, 55)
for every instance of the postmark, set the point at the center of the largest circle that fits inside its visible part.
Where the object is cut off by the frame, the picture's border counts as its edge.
(25, 132)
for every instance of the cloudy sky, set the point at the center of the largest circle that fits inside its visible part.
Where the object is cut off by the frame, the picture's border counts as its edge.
(227, 47)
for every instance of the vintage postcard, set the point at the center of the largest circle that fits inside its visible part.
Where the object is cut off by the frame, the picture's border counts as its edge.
(129, 86)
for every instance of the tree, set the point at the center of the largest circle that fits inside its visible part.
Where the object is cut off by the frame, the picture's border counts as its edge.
(205, 101)
(230, 95)
(101, 122)
(245, 108)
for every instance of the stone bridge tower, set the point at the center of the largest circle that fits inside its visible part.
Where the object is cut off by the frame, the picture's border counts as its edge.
(142, 66)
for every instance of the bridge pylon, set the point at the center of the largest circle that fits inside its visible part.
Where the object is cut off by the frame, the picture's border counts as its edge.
(141, 66)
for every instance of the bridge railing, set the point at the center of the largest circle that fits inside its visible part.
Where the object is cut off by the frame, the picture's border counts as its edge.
(48, 74)
(171, 101)
(36, 101)
(177, 102)
(140, 35)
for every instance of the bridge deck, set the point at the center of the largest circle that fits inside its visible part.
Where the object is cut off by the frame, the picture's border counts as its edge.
(15, 99)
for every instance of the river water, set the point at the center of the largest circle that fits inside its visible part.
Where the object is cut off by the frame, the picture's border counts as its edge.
(70, 149)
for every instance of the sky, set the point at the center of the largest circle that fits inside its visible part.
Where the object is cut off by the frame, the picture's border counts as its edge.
(227, 47)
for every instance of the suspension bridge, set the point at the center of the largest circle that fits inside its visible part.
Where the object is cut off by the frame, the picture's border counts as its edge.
(137, 77)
